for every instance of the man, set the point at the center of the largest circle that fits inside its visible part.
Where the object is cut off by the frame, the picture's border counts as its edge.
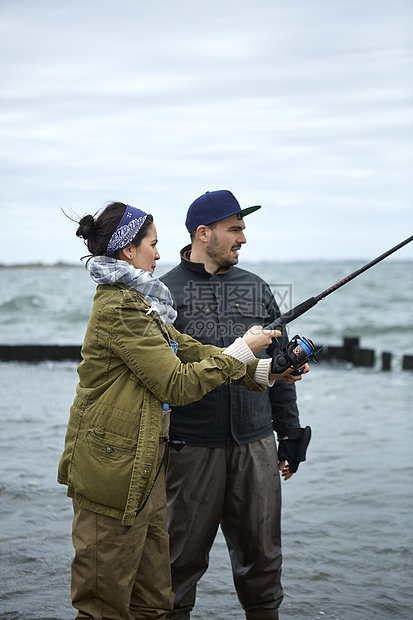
(224, 470)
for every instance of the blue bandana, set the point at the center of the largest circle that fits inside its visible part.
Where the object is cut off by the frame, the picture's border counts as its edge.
(127, 229)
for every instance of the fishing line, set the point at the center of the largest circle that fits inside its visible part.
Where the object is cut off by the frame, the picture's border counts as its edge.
(297, 311)
(299, 350)
(385, 294)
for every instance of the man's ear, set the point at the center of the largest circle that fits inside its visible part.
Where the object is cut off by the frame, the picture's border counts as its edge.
(202, 233)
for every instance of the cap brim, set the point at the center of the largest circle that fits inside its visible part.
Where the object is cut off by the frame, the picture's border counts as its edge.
(249, 210)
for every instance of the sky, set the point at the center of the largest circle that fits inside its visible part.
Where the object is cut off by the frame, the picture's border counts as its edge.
(302, 106)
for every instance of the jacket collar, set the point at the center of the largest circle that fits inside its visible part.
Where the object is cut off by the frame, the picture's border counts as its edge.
(198, 268)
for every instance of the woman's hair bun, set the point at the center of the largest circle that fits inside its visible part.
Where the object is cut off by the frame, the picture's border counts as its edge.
(87, 227)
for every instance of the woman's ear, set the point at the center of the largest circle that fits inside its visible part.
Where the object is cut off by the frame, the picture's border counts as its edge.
(127, 253)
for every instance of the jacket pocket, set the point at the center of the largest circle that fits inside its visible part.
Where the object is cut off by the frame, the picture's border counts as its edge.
(102, 467)
(251, 312)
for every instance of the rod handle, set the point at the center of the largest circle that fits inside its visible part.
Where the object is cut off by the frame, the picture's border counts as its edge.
(292, 314)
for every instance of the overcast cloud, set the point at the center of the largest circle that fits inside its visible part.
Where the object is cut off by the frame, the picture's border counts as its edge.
(302, 106)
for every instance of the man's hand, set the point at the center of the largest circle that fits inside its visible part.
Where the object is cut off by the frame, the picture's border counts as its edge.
(293, 451)
(285, 470)
(289, 377)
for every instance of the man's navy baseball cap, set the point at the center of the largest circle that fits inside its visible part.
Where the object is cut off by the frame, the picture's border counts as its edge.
(212, 207)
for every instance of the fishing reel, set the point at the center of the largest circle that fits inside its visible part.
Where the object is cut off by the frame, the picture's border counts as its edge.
(293, 446)
(294, 355)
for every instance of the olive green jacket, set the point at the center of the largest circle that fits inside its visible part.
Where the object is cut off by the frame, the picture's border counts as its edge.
(129, 370)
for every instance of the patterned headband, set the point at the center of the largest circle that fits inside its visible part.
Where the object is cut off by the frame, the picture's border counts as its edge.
(127, 229)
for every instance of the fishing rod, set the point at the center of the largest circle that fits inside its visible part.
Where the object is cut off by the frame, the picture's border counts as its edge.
(299, 350)
(293, 447)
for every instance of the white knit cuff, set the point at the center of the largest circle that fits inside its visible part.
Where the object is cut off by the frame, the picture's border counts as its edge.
(240, 350)
(262, 373)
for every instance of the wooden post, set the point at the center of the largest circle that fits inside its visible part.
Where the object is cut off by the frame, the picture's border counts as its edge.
(39, 353)
(386, 361)
(407, 362)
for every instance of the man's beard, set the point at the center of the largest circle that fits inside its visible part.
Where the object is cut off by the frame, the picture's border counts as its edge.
(221, 256)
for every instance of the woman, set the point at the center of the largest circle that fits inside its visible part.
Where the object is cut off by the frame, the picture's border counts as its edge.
(135, 364)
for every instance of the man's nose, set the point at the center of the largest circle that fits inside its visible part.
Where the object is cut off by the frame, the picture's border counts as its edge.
(241, 237)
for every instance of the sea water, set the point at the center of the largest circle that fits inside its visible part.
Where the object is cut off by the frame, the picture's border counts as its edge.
(347, 516)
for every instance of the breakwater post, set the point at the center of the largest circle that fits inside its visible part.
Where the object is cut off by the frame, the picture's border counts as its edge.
(350, 351)
(39, 353)
(386, 361)
(407, 362)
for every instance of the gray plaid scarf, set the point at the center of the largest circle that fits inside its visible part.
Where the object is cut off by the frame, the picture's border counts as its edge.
(107, 270)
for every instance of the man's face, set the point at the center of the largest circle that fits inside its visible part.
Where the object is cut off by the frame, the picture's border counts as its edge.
(226, 239)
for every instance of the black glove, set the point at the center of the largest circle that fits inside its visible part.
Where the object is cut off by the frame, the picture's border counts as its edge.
(293, 450)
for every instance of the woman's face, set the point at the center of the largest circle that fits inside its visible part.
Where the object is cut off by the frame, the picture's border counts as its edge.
(146, 254)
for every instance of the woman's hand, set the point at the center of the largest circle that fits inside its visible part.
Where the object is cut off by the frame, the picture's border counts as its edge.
(258, 338)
